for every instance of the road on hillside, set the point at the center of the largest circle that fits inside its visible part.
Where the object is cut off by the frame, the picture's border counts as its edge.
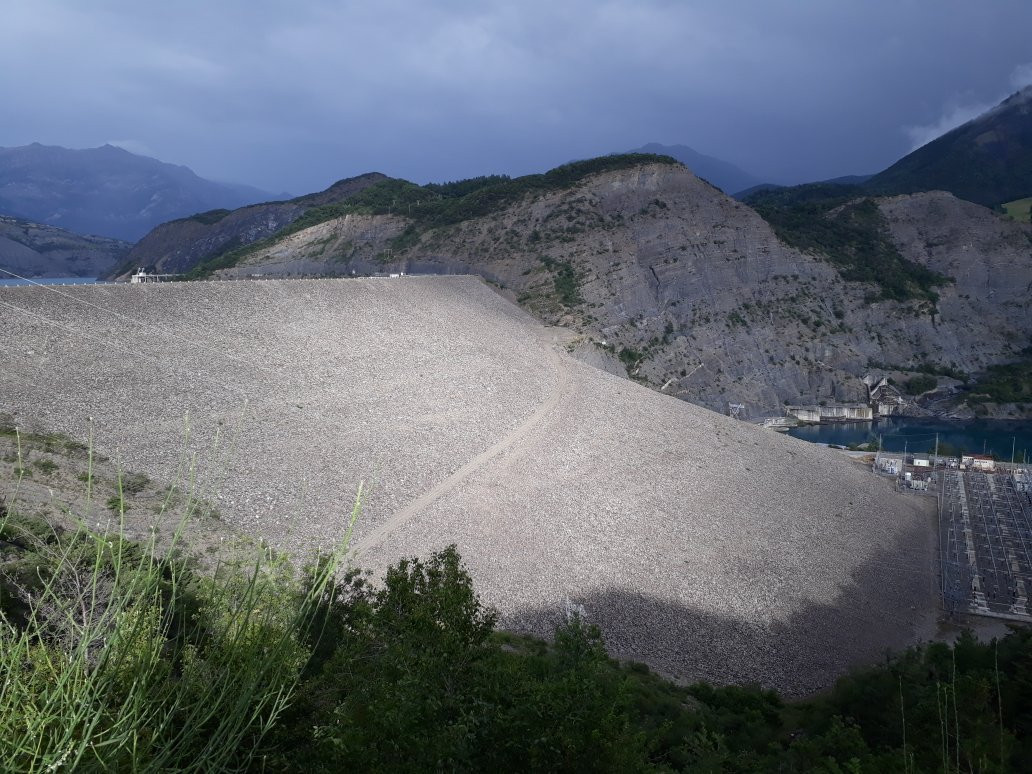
(414, 507)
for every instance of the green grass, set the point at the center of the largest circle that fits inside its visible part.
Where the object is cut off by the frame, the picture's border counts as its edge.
(1019, 210)
(119, 657)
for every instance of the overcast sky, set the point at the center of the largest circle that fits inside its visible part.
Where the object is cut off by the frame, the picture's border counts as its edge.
(292, 95)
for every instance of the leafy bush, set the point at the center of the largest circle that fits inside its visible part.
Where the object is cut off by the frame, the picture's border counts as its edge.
(1008, 383)
(565, 280)
(630, 356)
(917, 385)
(418, 682)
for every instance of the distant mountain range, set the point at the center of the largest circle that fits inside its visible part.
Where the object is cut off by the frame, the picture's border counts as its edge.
(987, 161)
(106, 191)
(179, 245)
(723, 174)
(30, 249)
(193, 221)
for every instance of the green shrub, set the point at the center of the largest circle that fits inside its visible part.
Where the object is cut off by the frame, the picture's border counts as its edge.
(851, 234)
(1007, 383)
(118, 659)
(418, 682)
(565, 281)
(134, 483)
(45, 466)
(916, 385)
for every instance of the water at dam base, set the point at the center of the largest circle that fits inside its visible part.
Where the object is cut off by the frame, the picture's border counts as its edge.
(996, 437)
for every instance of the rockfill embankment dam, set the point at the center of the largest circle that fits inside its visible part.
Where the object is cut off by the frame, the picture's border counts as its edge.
(703, 546)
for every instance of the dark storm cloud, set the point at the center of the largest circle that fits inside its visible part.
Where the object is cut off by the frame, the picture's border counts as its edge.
(293, 95)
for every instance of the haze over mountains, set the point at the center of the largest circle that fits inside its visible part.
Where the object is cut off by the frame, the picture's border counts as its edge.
(987, 160)
(106, 191)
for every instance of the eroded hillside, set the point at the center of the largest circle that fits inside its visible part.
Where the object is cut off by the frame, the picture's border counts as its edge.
(30, 249)
(179, 245)
(695, 294)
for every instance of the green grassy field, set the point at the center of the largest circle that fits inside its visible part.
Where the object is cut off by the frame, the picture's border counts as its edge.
(1019, 209)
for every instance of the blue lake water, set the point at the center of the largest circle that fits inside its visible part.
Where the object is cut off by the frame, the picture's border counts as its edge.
(977, 436)
(50, 281)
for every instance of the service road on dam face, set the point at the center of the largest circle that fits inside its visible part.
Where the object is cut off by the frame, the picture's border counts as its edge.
(986, 545)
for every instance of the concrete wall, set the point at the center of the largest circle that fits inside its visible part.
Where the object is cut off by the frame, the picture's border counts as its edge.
(858, 413)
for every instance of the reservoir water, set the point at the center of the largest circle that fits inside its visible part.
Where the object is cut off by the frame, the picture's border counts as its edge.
(978, 436)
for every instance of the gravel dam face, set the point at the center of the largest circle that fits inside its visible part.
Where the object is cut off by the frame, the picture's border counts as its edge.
(703, 546)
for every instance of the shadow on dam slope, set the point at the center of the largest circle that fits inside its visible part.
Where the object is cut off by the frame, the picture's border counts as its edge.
(691, 538)
(799, 654)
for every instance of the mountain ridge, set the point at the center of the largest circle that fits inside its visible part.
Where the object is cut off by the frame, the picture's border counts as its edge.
(34, 250)
(987, 160)
(692, 292)
(106, 191)
(179, 245)
(726, 176)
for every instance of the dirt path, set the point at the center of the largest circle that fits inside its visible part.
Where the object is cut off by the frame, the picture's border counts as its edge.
(548, 343)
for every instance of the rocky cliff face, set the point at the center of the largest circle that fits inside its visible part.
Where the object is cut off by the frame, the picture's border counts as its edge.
(179, 245)
(33, 250)
(695, 294)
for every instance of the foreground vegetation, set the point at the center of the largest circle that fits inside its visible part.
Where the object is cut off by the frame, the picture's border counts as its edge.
(116, 659)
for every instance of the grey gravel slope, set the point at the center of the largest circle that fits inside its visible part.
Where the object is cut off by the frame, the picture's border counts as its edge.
(703, 546)
(701, 293)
